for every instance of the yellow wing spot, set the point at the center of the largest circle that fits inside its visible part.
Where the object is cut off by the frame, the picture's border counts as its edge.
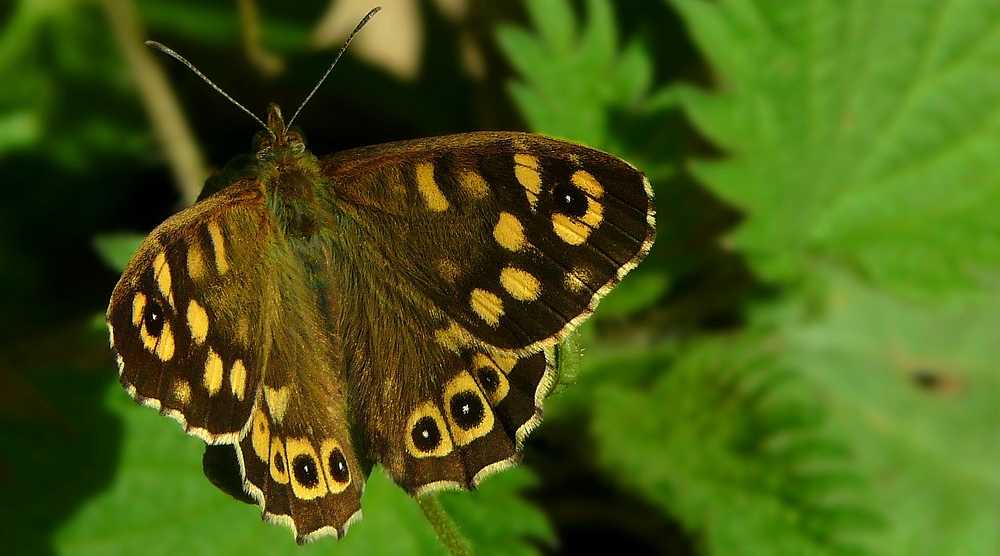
(587, 183)
(449, 270)
(161, 346)
(218, 247)
(575, 231)
(195, 262)
(138, 308)
(301, 455)
(182, 391)
(279, 463)
(277, 401)
(260, 436)
(505, 362)
(161, 270)
(197, 322)
(473, 184)
(331, 454)
(454, 338)
(212, 378)
(492, 380)
(429, 188)
(238, 379)
(520, 284)
(576, 279)
(468, 413)
(526, 170)
(509, 232)
(426, 427)
(487, 305)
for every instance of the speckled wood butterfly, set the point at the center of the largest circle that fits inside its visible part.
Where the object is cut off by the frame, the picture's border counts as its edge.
(397, 304)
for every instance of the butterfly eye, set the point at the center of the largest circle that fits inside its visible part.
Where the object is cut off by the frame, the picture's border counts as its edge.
(305, 471)
(569, 200)
(467, 410)
(489, 379)
(426, 435)
(339, 471)
(153, 318)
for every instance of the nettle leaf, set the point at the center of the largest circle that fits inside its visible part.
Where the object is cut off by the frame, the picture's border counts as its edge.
(160, 502)
(734, 446)
(574, 77)
(915, 389)
(862, 132)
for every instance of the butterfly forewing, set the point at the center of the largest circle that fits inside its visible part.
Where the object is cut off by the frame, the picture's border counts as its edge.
(515, 236)
(184, 344)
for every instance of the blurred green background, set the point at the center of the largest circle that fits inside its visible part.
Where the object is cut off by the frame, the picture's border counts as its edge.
(805, 364)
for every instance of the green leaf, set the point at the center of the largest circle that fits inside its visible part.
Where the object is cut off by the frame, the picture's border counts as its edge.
(161, 503)
(863, 133)
(915, 390)
(733, 446)
(117, 249)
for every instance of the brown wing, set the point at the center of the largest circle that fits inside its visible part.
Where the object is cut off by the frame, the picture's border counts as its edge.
(476, 254)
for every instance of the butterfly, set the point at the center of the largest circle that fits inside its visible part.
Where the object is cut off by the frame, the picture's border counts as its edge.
(399, 304)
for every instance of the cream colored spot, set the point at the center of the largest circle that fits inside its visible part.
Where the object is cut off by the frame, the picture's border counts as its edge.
(277, 401)
(487, 305)
(587, 183)
(197, 322)
(218, 246)
(464, 384)
(195, 262)
(509, 232)
(443, 448)
(238, 379)
(261, 435)
(520, 284)
(138, 308)
(473, 184)
(279, 463)
(429, 188)
(454, 338)
(336, 487)
(576, 280)
(449, 270)
(161, 270)
(182, 391)
(297, 448)
(213, 373)
(527, 174)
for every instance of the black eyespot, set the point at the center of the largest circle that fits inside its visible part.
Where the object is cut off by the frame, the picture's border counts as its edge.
(304, 469)
(338, 466)
(279, 462)
(426, 435)
(153, 318)
(489, 378)
(467, 410)
(569, 200)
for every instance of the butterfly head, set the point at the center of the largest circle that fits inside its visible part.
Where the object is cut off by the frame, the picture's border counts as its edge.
(278, 140)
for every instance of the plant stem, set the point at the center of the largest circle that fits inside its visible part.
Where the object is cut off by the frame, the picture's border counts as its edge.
(444, 527)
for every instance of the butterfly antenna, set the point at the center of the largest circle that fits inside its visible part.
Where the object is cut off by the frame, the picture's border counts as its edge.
(170, 52)
(357, 29)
